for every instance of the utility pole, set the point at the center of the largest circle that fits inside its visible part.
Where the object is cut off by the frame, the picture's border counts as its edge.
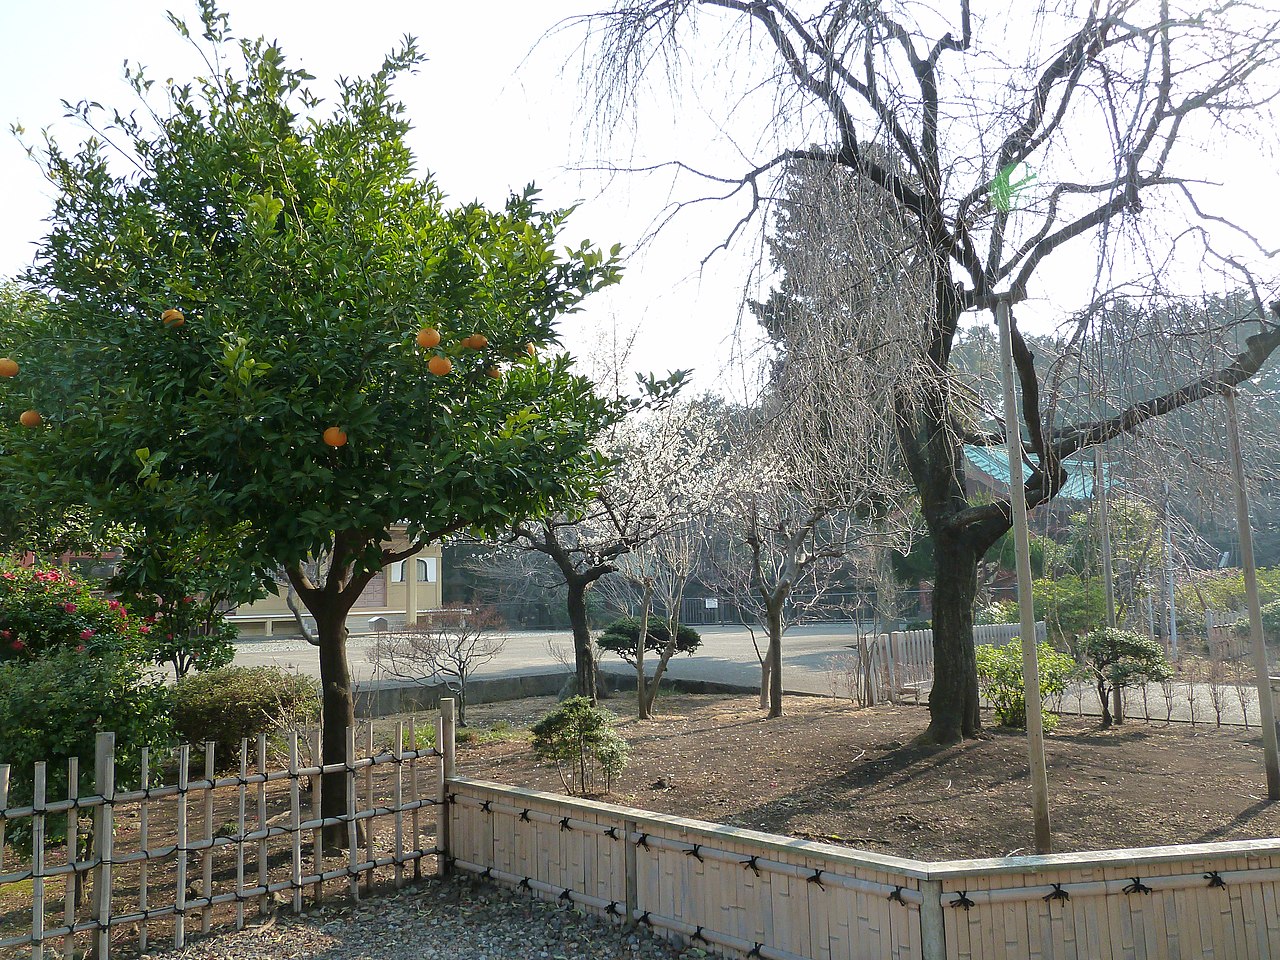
(1108, 578)
(1261, 665)
(1168, 576)
(1022, 548)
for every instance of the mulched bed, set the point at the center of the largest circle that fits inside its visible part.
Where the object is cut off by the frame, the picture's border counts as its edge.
(827, 771)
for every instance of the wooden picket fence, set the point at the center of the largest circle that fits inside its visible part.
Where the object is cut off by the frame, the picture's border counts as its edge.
(748, 894)
(901, 663)
(208, 846)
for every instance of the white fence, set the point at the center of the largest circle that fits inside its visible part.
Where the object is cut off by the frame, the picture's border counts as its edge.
(162, 856)
(743, 893)
(901, 663)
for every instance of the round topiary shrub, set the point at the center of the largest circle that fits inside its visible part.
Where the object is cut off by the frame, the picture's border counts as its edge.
(234, 703)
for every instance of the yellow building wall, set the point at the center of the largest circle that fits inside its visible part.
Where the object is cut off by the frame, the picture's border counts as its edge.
(386, 596)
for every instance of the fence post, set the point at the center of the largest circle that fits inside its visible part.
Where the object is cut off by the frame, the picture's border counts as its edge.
(445, 743)
(4, 802)
(631, 879)
(893, 670)
(933, 931)
(104, 784)
(868, 670)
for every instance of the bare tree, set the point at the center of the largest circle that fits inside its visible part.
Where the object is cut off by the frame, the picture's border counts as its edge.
(662, 472)
(941, 112)
(447, 646)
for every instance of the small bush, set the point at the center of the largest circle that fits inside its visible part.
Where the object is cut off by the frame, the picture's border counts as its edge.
(1121, 658)
(579, 738)
(1001, 611)
(1000, 679)
(234, 703)
(53, 707)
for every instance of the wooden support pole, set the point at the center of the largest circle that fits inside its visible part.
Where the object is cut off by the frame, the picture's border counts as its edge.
(37, 862)
(180, 895)
(104, 784)
(1261, 664)
(1030, 667)
(206, 858)
(144, 837)
(445, 744)
(71, 894)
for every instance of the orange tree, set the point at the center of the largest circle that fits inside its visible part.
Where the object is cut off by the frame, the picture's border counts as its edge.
(257, 270)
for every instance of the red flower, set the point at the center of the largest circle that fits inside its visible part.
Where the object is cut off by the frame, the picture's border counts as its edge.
(69, 607)
(144, 629)
(19, 645)
(6, 634)
(80, 649)
(86, 634)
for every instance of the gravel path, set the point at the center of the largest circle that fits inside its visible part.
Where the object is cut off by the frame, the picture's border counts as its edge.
(452, 920)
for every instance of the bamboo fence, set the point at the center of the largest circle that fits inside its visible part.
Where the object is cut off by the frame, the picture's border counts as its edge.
(206, 846)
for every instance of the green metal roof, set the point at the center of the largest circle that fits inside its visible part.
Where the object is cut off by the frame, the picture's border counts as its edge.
(994, 462)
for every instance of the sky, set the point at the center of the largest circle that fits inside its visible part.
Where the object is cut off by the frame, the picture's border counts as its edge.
(489, 117)
(491, 113)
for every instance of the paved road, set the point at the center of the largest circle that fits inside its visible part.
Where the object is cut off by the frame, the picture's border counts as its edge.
(726, 655)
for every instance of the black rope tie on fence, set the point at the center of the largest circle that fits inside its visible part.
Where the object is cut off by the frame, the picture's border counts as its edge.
(564, 824)
(485, 874)
(695, 852)
(614, 909)
(816, 878)
(566, 895)
(486, 806)
(612, 833)
(1137, 886)
(896, 895)
(524, 815)
(524, 884)
(962, 900)
(1056, 894)
(644, 918)
(644, 842)
(450, 798)
(755, 951)
(1215, 879)
(697, 935)
(750, 864)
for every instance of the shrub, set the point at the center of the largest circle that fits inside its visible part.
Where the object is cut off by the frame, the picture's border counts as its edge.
(1270, 622)
(1120, 658)
(53, 707)
(46, 610)
(1000, 679)
(1001, 611)
(621, 636)
(233, 703)
(579, 738)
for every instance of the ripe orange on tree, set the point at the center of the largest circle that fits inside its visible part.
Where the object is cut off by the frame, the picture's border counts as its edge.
(530, 350)
(172, 318)
(335, 437)
(30, 418)
(495, 373)
(8, 368)
(439, 365)
(477, 341)
(428, 337)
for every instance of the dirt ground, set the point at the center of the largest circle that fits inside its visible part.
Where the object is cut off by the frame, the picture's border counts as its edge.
(825, 771)
(829, 772)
